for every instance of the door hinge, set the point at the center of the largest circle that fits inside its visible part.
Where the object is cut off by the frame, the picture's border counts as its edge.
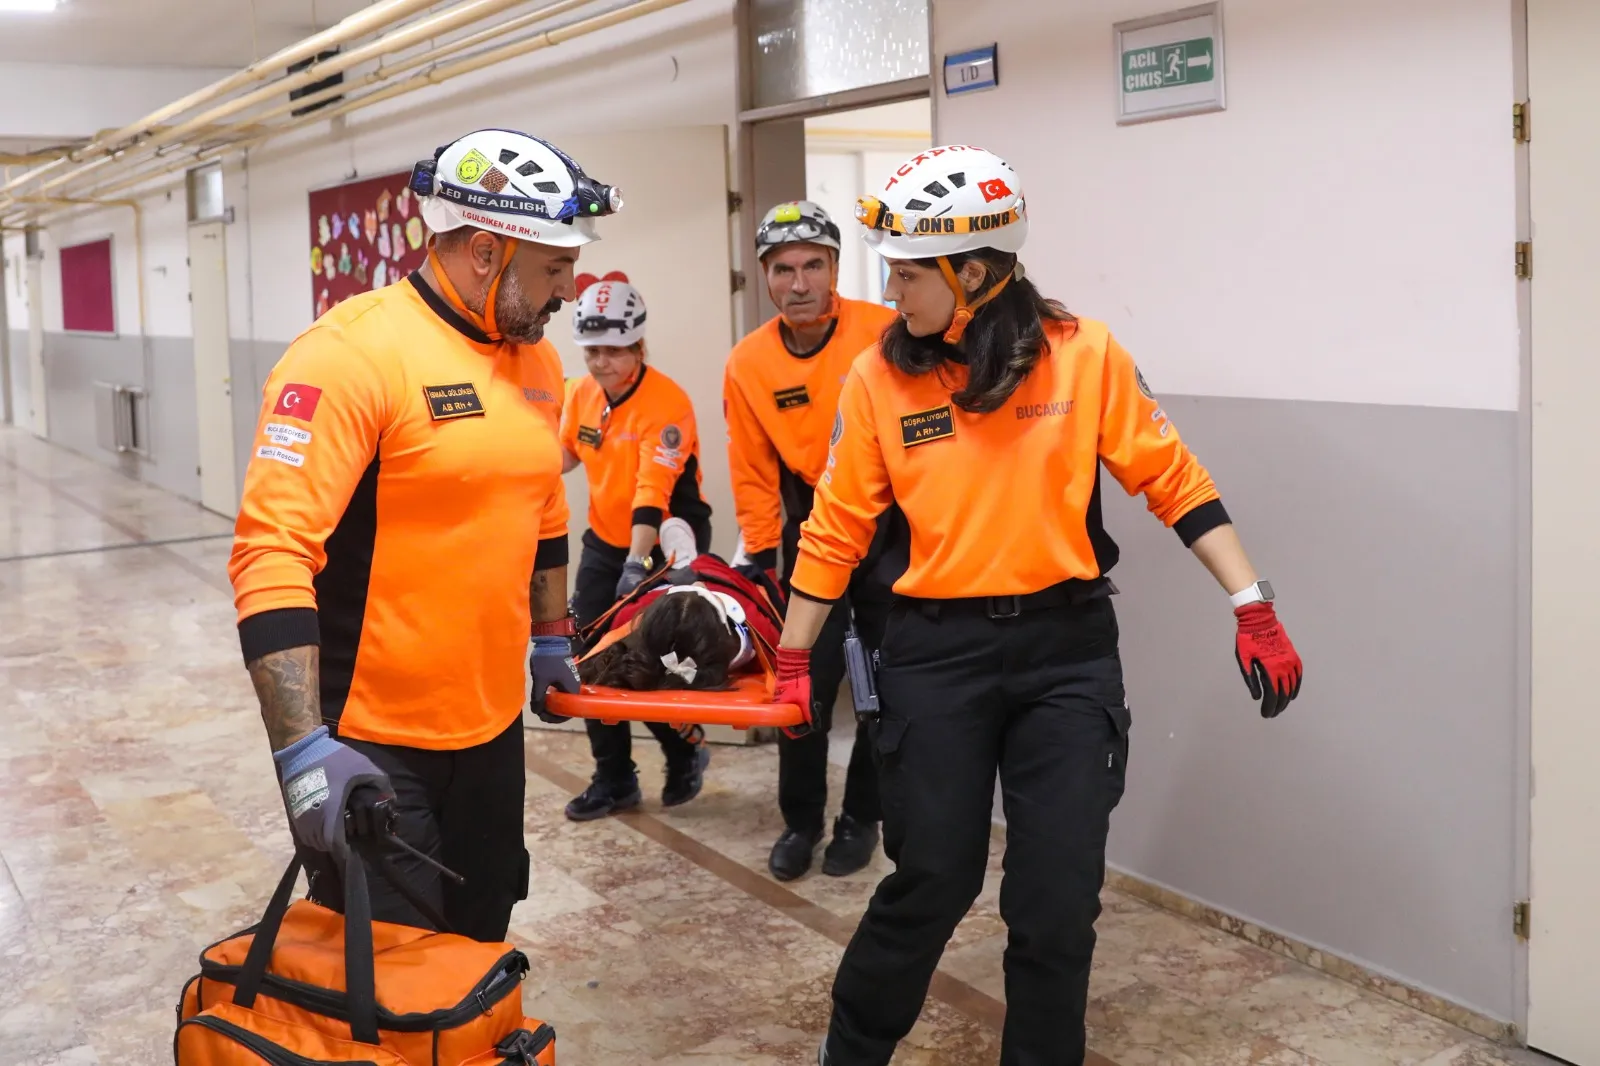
(737, 281)
(1524, 259)
(1519, 123)
(1519, 919)
(735, 201)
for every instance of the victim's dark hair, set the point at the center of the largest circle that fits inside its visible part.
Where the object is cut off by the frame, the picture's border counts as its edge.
(684, 624)
(1002, 343)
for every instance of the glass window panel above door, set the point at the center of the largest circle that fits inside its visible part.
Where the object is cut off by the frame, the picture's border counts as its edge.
(805, 48)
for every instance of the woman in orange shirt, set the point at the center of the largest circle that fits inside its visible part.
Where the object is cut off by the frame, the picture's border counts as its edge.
(986, 414)
(633, 430)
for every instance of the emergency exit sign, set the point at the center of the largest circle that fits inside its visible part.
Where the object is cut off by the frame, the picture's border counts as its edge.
(1184, 63)
(1170, 65)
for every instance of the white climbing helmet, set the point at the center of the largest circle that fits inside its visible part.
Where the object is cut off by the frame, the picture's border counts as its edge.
(513, 184)
(609, 312)
(796, 222)
(945, 201)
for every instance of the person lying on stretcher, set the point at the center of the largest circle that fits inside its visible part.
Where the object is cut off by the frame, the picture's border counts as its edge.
(692, 628)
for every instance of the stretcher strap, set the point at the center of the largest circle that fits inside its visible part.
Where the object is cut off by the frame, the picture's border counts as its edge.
(650, 582)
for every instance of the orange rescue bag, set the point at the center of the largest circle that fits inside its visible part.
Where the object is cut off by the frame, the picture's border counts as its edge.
(306, 985)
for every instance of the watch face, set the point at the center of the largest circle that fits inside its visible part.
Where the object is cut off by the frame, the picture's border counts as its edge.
(1266, 589)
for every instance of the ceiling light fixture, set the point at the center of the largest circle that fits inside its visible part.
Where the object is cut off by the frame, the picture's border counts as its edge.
(28, 5)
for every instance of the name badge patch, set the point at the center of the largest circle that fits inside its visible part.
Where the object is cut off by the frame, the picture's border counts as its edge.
(924, 426)
(453, 401)
(791, 398)
(588, 435)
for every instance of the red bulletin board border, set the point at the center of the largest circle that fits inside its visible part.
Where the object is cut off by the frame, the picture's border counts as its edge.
(88, 298)
(355, 230)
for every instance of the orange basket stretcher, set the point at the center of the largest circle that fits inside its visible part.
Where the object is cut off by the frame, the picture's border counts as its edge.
(745, 704)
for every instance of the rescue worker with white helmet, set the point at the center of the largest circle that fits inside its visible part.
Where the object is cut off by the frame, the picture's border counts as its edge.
(986, 414)
(780, 394)
(402, 533)
(633, 429)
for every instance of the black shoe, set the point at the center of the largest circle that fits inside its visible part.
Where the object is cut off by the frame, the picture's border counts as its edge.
(599, 800)
(791, 855)
(851, 848)
(684, 782)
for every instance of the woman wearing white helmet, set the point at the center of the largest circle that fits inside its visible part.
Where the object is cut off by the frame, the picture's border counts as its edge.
(633, 429)
(985, 413)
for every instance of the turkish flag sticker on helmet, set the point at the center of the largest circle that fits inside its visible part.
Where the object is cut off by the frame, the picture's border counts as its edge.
(994, 189)
(298, 401)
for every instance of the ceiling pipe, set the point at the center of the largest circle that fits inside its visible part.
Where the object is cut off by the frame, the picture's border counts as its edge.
(366, 21)
(437, 76)
(413, 33)
(390, 71)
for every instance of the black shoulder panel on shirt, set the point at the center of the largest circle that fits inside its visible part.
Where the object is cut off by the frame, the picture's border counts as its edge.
(342, 588)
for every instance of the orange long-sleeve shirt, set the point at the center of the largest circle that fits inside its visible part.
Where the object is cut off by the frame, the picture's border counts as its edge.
(780, 409)
(1004, 503)
(404, 486)
(640, 454)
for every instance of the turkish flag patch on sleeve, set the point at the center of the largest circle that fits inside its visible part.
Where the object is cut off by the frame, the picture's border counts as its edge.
(298, 401)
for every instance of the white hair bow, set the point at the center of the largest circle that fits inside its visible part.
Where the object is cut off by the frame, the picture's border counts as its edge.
(683, 668)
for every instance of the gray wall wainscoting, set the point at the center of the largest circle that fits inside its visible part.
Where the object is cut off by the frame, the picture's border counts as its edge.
(1376, 817)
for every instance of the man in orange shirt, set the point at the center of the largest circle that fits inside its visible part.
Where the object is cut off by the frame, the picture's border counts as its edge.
(403, 531)
(780, 397)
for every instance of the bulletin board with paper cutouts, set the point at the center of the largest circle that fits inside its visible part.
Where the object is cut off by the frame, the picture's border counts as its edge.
(364, 235)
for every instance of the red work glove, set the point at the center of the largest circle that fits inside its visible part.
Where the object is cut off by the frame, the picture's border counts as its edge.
(794, 686)
(1266, 658)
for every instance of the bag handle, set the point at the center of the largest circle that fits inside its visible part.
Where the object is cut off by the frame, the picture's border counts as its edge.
(360, 978)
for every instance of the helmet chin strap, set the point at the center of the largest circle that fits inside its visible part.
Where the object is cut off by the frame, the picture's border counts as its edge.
(964, 311)
(447, 289)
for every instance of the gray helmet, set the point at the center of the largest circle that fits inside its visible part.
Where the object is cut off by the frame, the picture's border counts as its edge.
(796, 222)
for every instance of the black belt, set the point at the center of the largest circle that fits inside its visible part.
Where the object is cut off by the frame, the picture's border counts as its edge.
(1073, 592)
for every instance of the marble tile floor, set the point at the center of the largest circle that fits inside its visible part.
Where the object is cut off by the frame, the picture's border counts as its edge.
(139, 821)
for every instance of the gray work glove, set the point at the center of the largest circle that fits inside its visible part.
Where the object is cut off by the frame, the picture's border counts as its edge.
(552, 666)
(318, 774)
(633, 575)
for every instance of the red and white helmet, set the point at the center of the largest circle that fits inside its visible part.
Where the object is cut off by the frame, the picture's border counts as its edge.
(609, 312)
(945, 201)
(513, 184)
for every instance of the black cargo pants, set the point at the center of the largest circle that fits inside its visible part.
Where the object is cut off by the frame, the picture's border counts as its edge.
(1039, 698)
(803, 762)
(463, 809)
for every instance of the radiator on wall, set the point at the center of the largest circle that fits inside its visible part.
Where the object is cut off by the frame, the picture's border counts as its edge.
(121, 418)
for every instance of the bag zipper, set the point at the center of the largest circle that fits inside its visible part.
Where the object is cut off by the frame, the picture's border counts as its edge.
(263, 1048)
(480, 1000)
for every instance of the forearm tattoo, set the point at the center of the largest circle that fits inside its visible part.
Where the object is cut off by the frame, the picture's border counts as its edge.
(287, 686)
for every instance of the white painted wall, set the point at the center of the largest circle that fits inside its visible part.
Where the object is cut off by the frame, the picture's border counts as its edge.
(48, 101)
(1375, 133)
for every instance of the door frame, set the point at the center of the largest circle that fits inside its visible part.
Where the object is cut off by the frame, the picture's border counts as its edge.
(1522, 799)
(225, 435)
(749, 308)
(38, 386)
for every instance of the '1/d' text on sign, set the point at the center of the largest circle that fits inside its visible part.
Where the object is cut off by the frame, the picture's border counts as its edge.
(1168, 65)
